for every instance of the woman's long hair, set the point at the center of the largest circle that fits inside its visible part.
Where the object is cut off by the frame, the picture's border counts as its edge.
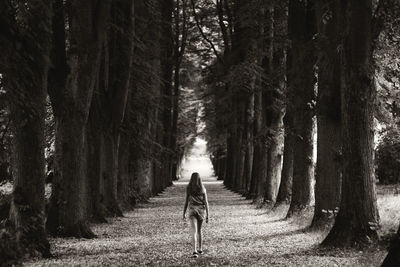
(195, 186)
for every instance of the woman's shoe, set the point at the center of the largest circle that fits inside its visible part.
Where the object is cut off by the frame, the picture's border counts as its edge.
(200, 252)
(195, 255)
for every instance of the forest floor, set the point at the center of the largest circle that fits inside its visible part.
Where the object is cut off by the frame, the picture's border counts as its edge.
(237, 235)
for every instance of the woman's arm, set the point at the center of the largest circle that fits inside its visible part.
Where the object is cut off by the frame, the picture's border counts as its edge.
(186, 205)
(206, 203)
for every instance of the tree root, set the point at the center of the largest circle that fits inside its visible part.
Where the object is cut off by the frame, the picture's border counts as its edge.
(345, 237)
(78, 230)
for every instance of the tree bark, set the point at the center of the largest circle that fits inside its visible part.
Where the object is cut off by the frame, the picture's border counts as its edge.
(115, 95)
(393, 257)
(248, 160)
(258, 143)
(110, 174)
(358, 217)
(96, 160)
(231, 158)
(285, 188)
(302, 97)
(274, 163)
(71, 98)
(275, 106)
(328, 169)
(169, 59)
(126, 192)
(179, 50)
(24, 67)
(153, 92)
(68, 209)
(241, 148)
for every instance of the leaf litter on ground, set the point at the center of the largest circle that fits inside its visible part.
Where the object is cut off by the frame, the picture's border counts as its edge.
(154, 234)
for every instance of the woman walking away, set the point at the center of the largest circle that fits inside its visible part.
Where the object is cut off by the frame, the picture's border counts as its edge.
(196, 198)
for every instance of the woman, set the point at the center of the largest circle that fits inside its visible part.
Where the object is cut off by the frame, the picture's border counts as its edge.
(196, 199)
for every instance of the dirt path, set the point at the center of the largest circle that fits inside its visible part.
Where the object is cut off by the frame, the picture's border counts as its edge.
(238, 234)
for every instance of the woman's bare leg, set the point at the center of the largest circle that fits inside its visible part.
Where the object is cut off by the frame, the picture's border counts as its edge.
(193, 230)
(199, 234)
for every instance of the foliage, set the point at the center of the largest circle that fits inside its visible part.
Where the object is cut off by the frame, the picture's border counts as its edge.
(387, 61)
(188, 107)
(5, 136)
(9, 252)
(388, 157)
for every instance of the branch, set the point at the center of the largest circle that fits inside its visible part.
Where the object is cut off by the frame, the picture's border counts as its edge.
(203, 34)
(184, 32)
(224, 31)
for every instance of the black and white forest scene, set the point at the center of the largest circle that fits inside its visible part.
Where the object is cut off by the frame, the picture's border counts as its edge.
(200, 133)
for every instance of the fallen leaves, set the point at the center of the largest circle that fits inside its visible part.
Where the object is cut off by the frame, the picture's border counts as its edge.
(237, 235)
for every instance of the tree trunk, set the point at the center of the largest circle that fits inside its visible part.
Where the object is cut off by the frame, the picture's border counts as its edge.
(275, 106)
(285, 188)
(110, 174)
(95, 139)
(222, 167)
(274, 167)
(154, 63)
(68, 210)
(241, 150)
(393, 257)
(258, 143)
(71, 98)
(126, 193)
(24, 67)
(266, 182)
(328, 169)
(28, 203)
(143, 178)
(248, 161)
(302, 96)
(262, 149)
(230, 159)
(358, 217)
(170, 106)
(118, 65)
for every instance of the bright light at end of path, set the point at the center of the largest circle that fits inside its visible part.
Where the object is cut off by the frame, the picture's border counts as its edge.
(197, 160)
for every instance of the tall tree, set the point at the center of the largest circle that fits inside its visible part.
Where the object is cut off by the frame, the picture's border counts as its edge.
(114, 94)
(328, 170)
(302, 27)
(76, 61)
(261, 167)
(180, 40)
(169, 58)
(285, 187)
(358, 217)
(25, 41)
(108, 110)
(144, 123)
(274, 102)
